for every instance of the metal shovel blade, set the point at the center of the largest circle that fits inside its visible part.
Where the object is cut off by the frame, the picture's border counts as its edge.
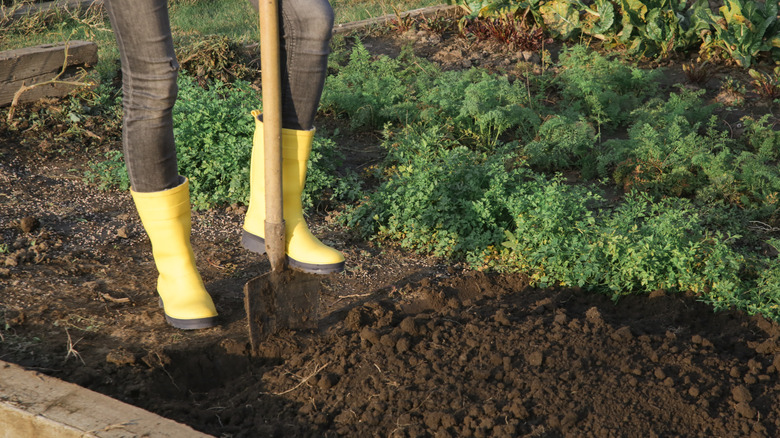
(281, 300)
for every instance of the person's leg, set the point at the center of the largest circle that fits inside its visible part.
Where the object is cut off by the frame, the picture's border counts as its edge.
(149, 72)
(162, 197)
(306, 27)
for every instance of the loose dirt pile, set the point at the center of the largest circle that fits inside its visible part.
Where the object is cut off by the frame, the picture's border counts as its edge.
(407, 345)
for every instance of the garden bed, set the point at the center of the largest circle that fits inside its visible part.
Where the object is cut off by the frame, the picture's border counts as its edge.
(408, 345)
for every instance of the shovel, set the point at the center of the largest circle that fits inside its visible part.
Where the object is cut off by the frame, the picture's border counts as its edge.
(282, 298)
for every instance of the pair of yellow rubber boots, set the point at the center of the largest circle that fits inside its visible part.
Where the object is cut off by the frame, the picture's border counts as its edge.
(166, 216)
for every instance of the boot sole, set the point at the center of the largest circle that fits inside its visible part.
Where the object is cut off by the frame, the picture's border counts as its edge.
(188, 324)
(256, 244)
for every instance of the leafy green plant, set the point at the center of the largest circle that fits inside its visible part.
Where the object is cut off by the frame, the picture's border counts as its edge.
(324, 184)
(491, 106)
(651, 27)
(439, 198)
(606, 90)
(478, 106)
(213, 143)
(561, 17)
(487, 8)
(371, 92)
(560, 143)
(743, 29)
(109, 173)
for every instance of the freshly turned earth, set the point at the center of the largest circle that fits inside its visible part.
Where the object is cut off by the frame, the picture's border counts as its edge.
(406, 345)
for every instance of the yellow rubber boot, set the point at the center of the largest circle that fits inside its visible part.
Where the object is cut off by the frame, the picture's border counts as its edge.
(304, 251)
(166, 218)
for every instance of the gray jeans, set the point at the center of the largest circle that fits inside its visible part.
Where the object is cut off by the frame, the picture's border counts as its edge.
(150, 69)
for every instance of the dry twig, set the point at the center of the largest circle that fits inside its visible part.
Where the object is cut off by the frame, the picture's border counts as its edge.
(55, 80)
(72, 351)
(108, 297)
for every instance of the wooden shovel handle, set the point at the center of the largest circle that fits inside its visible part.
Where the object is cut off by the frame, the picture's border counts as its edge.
(272, 130)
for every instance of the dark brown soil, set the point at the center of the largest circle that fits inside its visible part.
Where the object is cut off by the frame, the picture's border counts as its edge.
(406, 345)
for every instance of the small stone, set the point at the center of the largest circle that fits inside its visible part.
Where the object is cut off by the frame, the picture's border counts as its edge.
(122, 233)
(693, 391)
(10, 261)
(660, 374)
(29, 224)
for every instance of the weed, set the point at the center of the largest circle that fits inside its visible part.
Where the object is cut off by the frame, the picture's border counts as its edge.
(438, 25)
(108, 173)
(79, 323)
(78, 81)
(402, 23)
(732, 92)
(323, 183)
(766, 84)
(698, 72)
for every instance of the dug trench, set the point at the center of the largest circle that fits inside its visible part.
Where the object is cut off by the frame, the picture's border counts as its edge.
(407, 345)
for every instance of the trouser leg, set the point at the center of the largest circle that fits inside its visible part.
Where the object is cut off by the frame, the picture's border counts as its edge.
(306, 27)
(149, 72)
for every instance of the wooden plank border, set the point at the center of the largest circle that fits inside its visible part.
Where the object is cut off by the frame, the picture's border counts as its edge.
(34, 65)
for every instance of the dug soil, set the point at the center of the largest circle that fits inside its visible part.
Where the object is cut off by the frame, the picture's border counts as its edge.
(407, 345)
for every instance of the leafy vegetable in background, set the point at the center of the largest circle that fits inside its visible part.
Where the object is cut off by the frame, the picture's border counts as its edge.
(740, 30)
(743, 29)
